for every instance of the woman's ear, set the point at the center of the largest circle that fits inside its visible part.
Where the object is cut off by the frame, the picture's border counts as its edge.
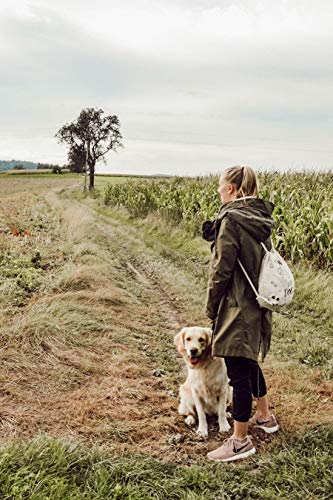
(179, 340)
(231, 188)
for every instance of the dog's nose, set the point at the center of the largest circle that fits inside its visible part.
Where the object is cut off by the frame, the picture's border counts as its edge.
(194, 350)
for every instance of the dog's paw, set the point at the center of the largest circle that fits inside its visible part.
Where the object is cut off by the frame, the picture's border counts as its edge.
(202, 433)
(228, 414)
(190, 420)
(224, 426)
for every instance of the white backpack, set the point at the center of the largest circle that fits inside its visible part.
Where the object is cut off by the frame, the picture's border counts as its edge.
(276, 284)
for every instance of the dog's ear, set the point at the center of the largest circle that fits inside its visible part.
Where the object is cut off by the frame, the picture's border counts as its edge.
(179, 340)
(208, 332)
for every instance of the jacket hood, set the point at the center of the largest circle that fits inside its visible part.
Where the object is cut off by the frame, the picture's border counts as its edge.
(252, 214)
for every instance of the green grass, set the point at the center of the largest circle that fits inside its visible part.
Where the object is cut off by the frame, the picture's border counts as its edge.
(24, 259)
(47, 468)
(305, 334)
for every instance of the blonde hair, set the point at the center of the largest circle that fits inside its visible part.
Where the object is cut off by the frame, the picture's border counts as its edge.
(243, 178)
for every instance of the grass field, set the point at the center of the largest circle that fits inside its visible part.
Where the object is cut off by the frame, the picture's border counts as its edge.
(90, 299)
(29, 175)
(101, 180)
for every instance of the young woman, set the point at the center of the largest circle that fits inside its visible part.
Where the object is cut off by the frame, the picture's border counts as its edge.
(241, 329)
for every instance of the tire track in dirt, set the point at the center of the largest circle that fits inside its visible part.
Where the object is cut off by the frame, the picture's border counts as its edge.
(139, 261)
(143, 265)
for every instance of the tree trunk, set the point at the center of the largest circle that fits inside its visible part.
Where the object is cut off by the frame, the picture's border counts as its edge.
(91, 176)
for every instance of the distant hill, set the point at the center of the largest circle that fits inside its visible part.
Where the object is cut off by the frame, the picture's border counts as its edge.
(10, 164)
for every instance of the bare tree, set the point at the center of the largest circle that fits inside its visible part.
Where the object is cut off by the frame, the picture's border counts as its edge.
(93, 133)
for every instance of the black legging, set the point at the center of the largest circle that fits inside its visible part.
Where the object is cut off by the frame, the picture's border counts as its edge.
(246, 378)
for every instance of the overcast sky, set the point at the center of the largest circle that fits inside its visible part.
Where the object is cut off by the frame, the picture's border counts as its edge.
(198, 85)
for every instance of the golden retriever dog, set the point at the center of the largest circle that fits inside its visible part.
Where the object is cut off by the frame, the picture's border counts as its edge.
(206, 390)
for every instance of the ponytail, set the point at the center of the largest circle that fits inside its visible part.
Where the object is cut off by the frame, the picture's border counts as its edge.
(244, 179)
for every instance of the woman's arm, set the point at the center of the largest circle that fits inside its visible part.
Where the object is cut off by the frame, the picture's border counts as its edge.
(222, 265)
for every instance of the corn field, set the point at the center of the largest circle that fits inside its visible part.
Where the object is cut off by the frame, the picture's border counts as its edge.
(303, 208)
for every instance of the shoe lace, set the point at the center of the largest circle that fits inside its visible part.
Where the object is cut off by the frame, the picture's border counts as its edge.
(231, 441)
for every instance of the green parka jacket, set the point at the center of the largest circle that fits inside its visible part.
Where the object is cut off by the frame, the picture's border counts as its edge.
(242, 328)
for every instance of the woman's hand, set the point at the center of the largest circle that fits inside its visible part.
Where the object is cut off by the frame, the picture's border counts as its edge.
(208, 230)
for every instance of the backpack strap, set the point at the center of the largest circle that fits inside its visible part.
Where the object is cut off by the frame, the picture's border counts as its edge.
(245, 273)
(248, 278)
(265, 248)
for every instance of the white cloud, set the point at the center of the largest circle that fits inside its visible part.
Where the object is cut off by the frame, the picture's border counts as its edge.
(196, 29)
(226, 79)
